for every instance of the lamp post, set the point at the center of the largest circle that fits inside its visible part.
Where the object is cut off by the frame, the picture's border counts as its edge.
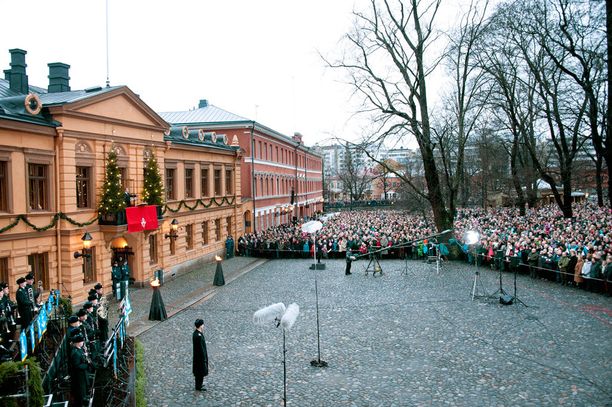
(173, 230)
(86, 245)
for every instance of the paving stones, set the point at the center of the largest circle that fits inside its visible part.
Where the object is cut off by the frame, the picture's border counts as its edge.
(390, 340)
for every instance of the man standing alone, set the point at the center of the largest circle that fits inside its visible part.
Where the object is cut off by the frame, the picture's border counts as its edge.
(200, 356)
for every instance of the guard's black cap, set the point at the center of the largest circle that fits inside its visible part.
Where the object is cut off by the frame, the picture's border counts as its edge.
(77, 338)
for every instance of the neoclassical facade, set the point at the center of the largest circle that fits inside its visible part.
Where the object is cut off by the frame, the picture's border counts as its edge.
(53, 148)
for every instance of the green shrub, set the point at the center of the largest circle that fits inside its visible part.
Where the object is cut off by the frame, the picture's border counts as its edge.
(141, 377)
(9, 369)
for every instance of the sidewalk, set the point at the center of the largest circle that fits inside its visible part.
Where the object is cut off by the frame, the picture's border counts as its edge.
(182, 291)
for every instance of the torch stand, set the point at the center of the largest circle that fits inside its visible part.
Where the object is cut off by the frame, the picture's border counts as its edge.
(219, 280)
(158, 309)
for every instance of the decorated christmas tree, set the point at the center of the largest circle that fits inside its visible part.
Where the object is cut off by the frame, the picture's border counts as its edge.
(112, 199)
(153, 193)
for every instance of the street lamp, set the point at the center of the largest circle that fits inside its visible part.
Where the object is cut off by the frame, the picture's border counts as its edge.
(86, 245)
(173, 230)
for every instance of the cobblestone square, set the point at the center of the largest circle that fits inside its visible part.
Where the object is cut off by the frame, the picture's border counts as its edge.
(392, 340)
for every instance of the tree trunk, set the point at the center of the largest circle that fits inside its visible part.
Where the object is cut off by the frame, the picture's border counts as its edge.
(599, 180)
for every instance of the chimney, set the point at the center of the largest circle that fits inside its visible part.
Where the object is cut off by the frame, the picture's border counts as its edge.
(203, 103)
(7, 74)
(297, 137)
(59, 81)
(18, 78)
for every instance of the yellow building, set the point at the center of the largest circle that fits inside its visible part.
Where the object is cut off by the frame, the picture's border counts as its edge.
(53, 147)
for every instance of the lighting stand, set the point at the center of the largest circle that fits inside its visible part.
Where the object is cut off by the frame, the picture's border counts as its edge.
(317, 362)
(478, 290)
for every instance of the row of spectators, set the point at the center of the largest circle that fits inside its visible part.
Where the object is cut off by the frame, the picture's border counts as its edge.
(542, 241)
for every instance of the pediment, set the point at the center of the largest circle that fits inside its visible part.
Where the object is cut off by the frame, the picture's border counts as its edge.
(120, 107)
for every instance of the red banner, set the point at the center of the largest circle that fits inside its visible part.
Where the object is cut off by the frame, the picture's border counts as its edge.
(141, 218)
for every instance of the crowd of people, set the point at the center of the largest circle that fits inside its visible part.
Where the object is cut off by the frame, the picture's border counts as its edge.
(574, 251)
(357, 231)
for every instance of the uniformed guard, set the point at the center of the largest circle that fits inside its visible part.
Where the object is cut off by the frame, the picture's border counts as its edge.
(80, 365)
(24, 304)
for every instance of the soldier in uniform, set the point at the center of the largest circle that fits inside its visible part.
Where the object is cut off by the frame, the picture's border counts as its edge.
(87, 331)
(9, 308)
(4, 318)
(32, 293)
(24, 304)
(116, 275)
(102, 322)
(74, 326)
(92, 322)
(80, 365)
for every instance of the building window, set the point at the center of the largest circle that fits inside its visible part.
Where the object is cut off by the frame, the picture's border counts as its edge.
(218, 229)
(152, 249)
(204, 182)
(204, 233)
(229, 182)
(39, 186)
(276, 156)
(3, 188)
(124, 178)
(170, 194)
(188, 182)
(218, 191)
(83, 187)
(89, 265)
(189, 236)
(38, 264)
(260, 151)
(4, 270)
(228, 222)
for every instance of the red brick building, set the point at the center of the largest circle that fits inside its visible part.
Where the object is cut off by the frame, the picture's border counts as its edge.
(281, 178)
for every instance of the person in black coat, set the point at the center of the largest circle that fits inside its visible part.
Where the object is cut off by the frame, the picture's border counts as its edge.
(200, 356)
(24, 305)
(79, 368)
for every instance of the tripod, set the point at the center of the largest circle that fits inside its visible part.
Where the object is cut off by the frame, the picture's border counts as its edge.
(516, 298)
(500, 291)
(376, 268)
(478, 290)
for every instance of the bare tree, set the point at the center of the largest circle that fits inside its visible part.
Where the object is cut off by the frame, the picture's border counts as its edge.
(466, 101)
(575, 41)
(561, 112)
(355, 176)
(389, 69)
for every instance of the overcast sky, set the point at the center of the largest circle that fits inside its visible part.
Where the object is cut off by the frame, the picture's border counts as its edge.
(255, 58)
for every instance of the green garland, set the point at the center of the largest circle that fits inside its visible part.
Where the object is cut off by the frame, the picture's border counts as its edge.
(199, 202)
(56, 217)
(61, 215)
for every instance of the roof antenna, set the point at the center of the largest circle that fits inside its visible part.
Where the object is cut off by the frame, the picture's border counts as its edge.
(107, 69)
